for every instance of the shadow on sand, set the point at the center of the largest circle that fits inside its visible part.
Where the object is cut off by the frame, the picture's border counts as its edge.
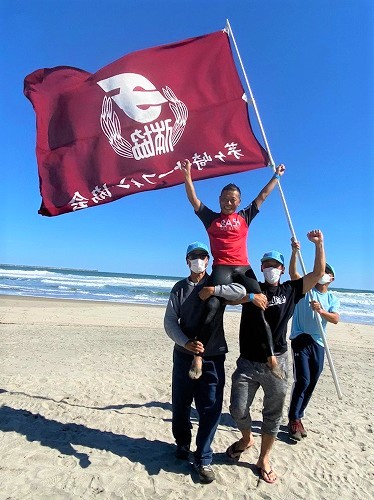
(154, 455)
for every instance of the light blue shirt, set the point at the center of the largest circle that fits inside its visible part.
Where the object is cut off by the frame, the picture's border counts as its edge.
(304, 320)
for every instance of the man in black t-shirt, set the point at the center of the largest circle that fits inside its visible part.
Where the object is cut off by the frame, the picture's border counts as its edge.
(278, 300)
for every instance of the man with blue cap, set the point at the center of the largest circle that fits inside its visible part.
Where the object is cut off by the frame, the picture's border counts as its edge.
(306, 342)
(278, 300)
(183, 322)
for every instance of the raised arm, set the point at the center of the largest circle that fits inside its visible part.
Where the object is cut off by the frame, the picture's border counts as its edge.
(294, 275)
(188, 184)
(310, 279)
(264, 193)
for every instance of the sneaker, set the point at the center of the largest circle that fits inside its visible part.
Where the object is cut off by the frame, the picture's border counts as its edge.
(294, 430)
(183, 452)
(303, 432)
(206, 473)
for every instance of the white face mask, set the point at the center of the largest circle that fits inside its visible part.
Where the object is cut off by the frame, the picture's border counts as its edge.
(326, 278)
(272, 275)
(198, 265)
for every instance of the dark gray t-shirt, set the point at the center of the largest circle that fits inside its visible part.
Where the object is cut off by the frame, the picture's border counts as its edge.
(185, 309)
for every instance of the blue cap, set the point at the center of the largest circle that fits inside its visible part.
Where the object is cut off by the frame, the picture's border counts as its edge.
(329, 270)
(197, 245)
(273, 254)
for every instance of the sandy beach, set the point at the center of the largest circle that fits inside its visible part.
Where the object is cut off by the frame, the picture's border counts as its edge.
(85, 412)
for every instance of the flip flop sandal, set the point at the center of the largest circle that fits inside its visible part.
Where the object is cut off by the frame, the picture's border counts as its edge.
(234, 452)
(265, 475)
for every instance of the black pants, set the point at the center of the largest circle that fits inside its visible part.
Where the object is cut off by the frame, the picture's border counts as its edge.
(244, 275)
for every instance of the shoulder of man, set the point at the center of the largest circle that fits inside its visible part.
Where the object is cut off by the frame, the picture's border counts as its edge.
(185, 282)
(249, 212)
(251, 207)
(333, 298)
(293, 287)
(207, 216)
(293, 283)
(179, 284)
(204, 209)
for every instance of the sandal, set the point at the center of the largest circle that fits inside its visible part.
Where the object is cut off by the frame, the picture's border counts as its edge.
(265, 475)
(234, 452)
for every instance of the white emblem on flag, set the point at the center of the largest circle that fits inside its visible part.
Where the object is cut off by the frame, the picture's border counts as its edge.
(143, 106)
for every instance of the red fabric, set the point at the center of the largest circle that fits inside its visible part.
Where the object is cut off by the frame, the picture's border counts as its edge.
(228, 240)
(99, 140)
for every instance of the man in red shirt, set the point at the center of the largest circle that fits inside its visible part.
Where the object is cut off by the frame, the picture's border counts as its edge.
(228, 231)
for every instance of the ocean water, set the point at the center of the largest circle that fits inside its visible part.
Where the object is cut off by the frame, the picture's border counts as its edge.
(357, 306)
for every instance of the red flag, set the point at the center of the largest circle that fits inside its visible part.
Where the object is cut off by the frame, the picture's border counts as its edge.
(123, 129)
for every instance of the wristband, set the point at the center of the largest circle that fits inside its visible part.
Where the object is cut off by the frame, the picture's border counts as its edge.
(276, 176)
(251, 297)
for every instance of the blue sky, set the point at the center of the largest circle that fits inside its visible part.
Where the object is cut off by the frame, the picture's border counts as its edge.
(310, 66)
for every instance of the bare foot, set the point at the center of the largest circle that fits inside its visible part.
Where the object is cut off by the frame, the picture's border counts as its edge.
(242, 443)
(266, 472)
(236, 449)
(275, 368)
(196, 369)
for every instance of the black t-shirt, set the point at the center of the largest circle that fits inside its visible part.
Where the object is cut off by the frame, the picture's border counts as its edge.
(282, 300)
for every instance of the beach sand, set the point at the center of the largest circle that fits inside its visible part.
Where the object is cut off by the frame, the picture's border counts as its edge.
(85, 412)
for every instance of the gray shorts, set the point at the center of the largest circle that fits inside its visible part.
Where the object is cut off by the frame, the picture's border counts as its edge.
(248, 377)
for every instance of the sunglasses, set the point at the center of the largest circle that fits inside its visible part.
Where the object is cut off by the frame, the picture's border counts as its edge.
(196, 255)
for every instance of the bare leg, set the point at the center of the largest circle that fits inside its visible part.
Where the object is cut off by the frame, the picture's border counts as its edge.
(263, 462)
(196, 369)
(247, 440)
(236, 449)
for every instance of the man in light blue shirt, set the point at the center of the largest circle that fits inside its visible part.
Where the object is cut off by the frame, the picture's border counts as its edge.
(307, 344)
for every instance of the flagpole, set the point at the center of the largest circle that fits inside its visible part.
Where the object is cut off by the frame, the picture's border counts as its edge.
(272, 163)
